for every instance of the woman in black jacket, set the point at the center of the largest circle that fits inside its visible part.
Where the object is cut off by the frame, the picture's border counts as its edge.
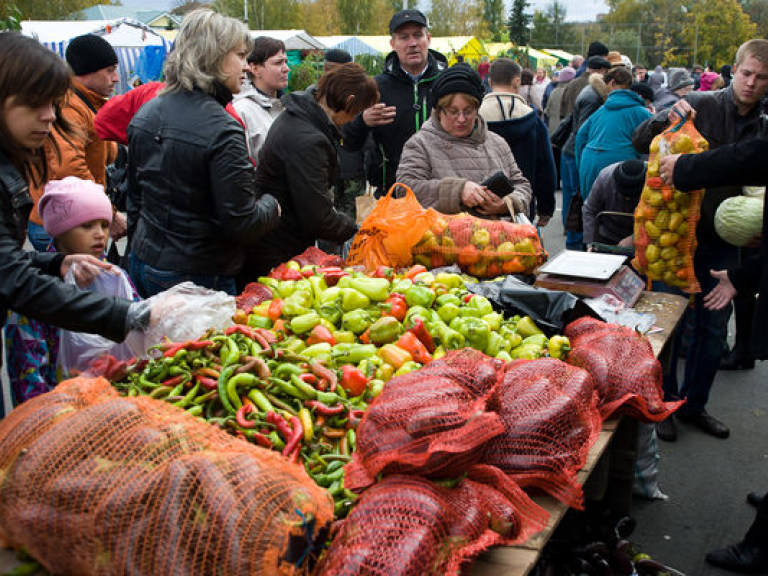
(33, 81)
(298, 164)
(192, 205)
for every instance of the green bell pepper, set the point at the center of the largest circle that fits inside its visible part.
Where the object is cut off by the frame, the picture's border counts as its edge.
(450, 339)
(409, 366)
(450, 280)
(419, 296)
(416, 312)
(319, 286)
(424, 278)
(320, 352)
(539, 340)
(286, 287)
(448, 299)
(331, 312)
(304, 323)
(527, 327)
(352, 299)
(494, 320)
(386, 329)
(401, 285)
(504, 355)
(495, 344)
(529, 352)
(270, 283)
(344, 282)
(376, 289)
(448, 312)
(330, 295)
(481, 304)
(256, 321)
(356, 321)
(558, 346)
(475, 331)
(298, 303)
(344, 336)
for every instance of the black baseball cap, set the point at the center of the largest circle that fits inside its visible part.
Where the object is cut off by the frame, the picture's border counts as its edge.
(407, 17)
(598, 63)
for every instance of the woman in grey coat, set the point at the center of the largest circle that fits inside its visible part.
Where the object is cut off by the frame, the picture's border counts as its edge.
(446, 161)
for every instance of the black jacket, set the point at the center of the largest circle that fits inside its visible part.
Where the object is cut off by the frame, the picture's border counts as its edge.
(395, 89)
(29, 281)
(298, 165)
(717, 120)
(192, 202)
(742, 164)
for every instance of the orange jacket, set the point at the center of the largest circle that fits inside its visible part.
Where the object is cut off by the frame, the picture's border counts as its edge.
(87, 155)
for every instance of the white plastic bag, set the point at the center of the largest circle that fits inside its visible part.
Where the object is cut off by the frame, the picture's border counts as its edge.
(184, 312)
(78, 349)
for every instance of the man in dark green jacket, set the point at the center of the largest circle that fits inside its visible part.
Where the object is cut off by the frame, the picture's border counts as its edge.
(404, 86)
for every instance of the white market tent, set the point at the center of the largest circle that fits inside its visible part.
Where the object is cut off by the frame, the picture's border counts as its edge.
(293, 39)
(352, 44)
(128, 37)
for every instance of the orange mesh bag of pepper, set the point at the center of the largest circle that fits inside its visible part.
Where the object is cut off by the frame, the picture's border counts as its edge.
(551, 420)
(391, 230)
(97, 484)
(665, 218)
(482, 248)
(627, 374)
(432, 422)
(407, 525)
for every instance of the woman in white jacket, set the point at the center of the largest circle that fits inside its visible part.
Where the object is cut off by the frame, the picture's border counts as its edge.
(258, 104)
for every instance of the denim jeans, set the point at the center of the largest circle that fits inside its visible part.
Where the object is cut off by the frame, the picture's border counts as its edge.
(150, 281)
(38, 237)
(708, 338)
(569, 172)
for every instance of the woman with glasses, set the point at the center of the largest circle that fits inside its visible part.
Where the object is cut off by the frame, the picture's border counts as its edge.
(446, 161)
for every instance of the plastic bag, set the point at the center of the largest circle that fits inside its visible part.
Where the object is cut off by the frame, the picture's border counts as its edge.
(390, 232)
(646, 483)
(552, 310)
(665, 218)
(482, 248)
(615, 311)
(78, 349)
(182, 313)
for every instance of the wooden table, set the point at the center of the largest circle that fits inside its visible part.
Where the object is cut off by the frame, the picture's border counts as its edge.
(519, 560)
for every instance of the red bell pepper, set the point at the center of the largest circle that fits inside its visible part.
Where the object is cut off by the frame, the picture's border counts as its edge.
(411, 344)
(353, 380)
(383, 272)
(320, 334)
(275, 309)
(292, 274)
(419, 329)
(415, 270)
(398, 307)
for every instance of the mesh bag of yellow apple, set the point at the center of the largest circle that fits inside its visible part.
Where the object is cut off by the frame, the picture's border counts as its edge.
(666, 218)
(481, 248)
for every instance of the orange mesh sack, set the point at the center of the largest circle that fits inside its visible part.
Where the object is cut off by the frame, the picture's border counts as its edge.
(97, 484)
(432, 422)
(551, 420)
(391, 230)
(407, 525)
(665, 218)
(627, 374)
(482, 248)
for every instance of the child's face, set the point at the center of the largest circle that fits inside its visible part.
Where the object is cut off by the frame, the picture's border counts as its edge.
(89, 238)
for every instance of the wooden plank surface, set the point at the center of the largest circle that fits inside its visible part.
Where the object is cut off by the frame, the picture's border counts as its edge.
(519, 560)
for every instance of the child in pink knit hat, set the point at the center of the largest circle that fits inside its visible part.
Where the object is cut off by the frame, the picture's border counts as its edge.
(77, 214)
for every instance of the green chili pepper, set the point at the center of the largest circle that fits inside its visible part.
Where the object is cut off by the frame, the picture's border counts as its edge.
(448, 312)
(286, 370)
(320, 352)
(539, 340)
(226, 374)
(376, 289)
(188, 397)
(475, 331)
(285, 387)
(401, 285)
(245, 379)
(494, 320)
(331, 295)
(450, 339)
(304, 323)
(356, 321)
(196, 410)
(419, 296)
(386, 329)
(448, 299)
(319, 286)
(331, 312)
(352, 353)
(352, 299)
(481, 304)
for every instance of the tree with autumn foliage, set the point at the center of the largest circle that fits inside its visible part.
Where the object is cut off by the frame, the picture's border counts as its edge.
(457, 18)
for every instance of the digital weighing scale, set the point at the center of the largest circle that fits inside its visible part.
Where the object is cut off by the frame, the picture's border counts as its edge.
(591, 274)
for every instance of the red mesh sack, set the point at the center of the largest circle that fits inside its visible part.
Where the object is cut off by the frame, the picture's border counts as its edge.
(551, 420)
(666, 218)
(480, 247)
(432, 422)
(407, 525)
(98, 484)
(627, 374)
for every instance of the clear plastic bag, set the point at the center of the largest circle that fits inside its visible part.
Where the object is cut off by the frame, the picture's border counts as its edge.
(183, 313)
(78, 349)
(615, 311)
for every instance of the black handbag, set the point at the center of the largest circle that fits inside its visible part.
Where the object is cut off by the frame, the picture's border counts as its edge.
(499, 184)
(562, 132)
(574, 221)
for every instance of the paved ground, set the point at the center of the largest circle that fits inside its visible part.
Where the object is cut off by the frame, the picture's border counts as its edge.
(706, 479)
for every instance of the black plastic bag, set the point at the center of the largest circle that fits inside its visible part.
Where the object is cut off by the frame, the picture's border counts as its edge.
(552, 310)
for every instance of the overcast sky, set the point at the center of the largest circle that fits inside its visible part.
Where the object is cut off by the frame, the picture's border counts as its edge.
(575, 10)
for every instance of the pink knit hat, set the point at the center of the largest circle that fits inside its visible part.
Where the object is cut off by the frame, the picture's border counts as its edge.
(70, 202)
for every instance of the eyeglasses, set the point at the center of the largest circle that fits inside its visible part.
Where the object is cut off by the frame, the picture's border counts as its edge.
(453, 114)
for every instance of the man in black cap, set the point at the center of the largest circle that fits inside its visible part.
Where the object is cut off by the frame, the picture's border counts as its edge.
(596, 48)
(85, 155)
(409, 71)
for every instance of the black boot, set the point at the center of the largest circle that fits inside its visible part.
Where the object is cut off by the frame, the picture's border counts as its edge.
(735, 360)
(741, 557)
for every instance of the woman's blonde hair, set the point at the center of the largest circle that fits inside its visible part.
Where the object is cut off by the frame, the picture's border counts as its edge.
(445, 101)
(204, 38)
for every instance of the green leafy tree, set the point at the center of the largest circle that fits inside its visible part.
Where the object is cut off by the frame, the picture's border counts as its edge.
(47, 10)
(306, 73)
(373, 64)
(12, 18)
(456, 18)
(757, 10)
(518, 22)
(716, 29)
(493, 15)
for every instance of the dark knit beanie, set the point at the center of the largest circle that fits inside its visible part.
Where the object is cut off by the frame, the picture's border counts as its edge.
(460, 78)
(90, 53)
(597, 48)
(630, 177)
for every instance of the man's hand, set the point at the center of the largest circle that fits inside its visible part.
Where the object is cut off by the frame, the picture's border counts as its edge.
(379, 115)
(492, 204)
(119, 226)
(722, 294)
(667, 168)
(85, 268)
(543, 220)
(681, 109)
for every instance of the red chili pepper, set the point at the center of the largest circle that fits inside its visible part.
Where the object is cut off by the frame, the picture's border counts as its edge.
(308, 272)
(171, 351)
(468, 297)
(415, 347)
(320, 334)
(398, 307)
(324, 373)
(174, 381)
(240, 416)
(308, 378)
(208, 383)
(262, 440)
(291, 274)
(333, 432)
(415, 270)
(354, 417)
(275, 309)
(332, 274)
(353, 380)
(239, 329)
(419, 329)
(267, 335)
(292, 443)
(323, 409)
(365, 337)
(383, 272)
